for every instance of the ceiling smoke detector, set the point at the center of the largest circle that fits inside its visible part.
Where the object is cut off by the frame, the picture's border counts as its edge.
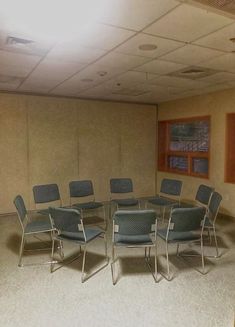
(102, 73)
(147, 47)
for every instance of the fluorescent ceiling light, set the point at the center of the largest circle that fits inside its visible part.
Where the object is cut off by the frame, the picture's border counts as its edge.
(54, 20)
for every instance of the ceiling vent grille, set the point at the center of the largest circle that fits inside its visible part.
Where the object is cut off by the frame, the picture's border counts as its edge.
(227, 6)
(193, 72)
(16, 41)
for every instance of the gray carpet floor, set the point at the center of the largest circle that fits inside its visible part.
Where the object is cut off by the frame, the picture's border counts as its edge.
(32, 296)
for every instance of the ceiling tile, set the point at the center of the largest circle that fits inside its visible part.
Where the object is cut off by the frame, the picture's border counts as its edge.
(136, 14)
(37, 85)
(87, 78)
(178, 82)
(104, 37)
(163, 45)
(55, 70)
(187, 23)
(134, 77)
(219, 78)
(225, 63)
(120, 60)
(72, 52)
(16, 64)
(191, 55)
(220, 39)
(160, 67)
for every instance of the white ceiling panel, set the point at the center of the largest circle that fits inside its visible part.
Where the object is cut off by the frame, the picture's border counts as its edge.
(37, 85)
(134, 77)
(219, 78)
(136, 14)
(178, 82)
(55, 70)
(16, 64)
(192, 55)
(187, 23)
(220, 39)
(162, 45)
(225, 63)
(104, 37)
(73, 52)
(122, 61)
(160, 67)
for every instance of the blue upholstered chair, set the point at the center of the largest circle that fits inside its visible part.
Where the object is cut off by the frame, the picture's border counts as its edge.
(68, 226)
(135, 229)
(122, 187)
(169, 196)
(46, 194)
(84, 190)
(29, 227)
(186, 225)
(203, 195)
(213, 209)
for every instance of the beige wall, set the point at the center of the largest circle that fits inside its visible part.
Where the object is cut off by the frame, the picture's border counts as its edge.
(216, 105)
(56, 140)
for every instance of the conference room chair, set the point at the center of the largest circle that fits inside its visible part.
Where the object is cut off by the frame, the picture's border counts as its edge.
(68, 226)
(212, 214)
(186, 225)
(203, 195)
(121, 193)
(44, 195)
(135, 229)
(169, 196)
(29, 228)
(84, 190)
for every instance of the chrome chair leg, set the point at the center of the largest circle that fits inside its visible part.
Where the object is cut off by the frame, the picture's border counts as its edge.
(155, 262)
(177, 251)
(167, 262)
(52, 254)
(202, 253)
(112, 266)
(83, 263)
(21, 250)
(216, 243)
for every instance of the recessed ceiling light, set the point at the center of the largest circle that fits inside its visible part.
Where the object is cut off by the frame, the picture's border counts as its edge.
(87, 80)
(102, 73)
(147, 47)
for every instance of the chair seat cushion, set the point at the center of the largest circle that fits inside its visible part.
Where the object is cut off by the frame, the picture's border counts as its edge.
(120, 239)
(126, 202)
(88, 205)
(38, 226)
(159, 201)
(77, 236)
(178, 236)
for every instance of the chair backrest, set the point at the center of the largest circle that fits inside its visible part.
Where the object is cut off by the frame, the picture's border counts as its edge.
(186, 219)
(134, 222)
(171, 187)
(214, 205)
(65, 220)
(203, 194)
(21, 210)
(121, 185)
(81, 188)
(46, 193)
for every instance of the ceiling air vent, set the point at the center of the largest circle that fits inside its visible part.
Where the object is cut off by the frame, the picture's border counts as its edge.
(12, 40)
(20, 44)
(193, 72)
(227, 6)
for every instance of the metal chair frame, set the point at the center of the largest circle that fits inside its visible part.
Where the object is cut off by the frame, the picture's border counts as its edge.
(163, 195)
(145, 246)
(183, 255)
(24, 220)
(56, 236)
(114, 201)
(82, 211)
(212, 218)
